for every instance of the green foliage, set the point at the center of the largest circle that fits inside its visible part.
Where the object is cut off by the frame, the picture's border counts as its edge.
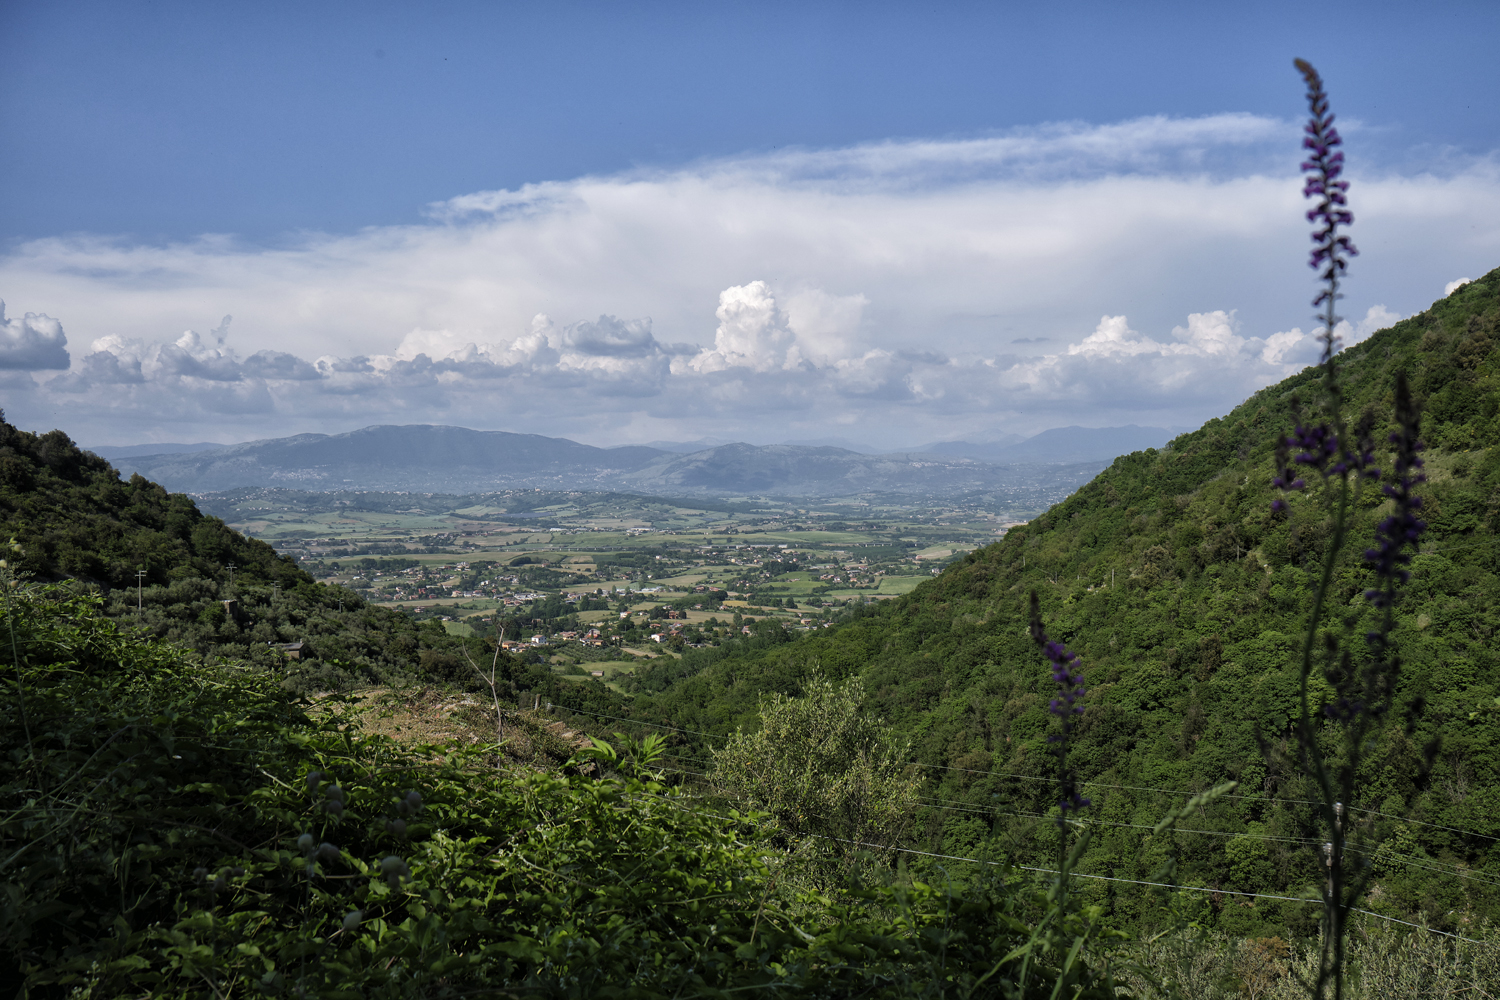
(824, 768)
(177, 829)
(1186, 600)
(75, 518)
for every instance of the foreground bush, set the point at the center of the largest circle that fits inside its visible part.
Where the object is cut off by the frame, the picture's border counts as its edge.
(173, 828)
(1384, 964)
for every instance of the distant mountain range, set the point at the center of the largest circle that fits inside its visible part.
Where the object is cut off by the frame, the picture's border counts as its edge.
(686, 447)
(436, 459)
(1060, 444)
(113, 452)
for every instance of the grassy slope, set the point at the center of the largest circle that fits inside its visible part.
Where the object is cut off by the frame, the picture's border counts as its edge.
(1191, 649)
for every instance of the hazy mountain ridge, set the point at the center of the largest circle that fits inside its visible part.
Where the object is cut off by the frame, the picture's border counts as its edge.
(415, 456)
(827, 471)
(121, 451)
(433, 458)
(1059, 444)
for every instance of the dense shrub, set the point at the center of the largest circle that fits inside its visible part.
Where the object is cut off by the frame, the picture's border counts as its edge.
(175, 828)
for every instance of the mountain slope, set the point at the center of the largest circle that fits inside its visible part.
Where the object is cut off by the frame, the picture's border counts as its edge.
(1060, 444)
(76, 518)
(801, 470)
(420, 456)
(1186, 598)
(113, 452)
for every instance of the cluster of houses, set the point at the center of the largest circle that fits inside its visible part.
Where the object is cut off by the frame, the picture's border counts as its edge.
(592, 637)
(672, 631)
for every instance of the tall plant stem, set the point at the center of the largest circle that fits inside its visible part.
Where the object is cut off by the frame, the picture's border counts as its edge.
(1062, 828)
(8, 581)
(1307, 737)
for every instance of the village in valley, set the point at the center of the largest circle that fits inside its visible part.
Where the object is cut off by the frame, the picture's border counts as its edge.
(594, 584)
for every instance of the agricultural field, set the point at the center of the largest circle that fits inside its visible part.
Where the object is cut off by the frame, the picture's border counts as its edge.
(571, 574)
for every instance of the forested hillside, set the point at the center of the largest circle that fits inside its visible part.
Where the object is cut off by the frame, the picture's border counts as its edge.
(76, 519)
(1187, 597)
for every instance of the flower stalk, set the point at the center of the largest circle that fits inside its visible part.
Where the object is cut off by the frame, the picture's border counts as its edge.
(1343, 458)
(1067, 674)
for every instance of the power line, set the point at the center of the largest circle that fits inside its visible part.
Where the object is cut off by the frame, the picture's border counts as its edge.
(1452, 871)
(1417, 863)
(1418, 822)
(1163, 885)
(1094, 783)
(1301, 841)
(1217, 833)
(953, 806)
(939, 804)
(1089, 783)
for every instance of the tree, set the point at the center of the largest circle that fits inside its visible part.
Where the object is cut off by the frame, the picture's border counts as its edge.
(825, 770)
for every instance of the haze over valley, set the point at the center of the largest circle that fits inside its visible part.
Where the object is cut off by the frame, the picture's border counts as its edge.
(1036, 472)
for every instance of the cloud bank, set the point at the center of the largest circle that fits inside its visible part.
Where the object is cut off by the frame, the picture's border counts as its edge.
(900, 292)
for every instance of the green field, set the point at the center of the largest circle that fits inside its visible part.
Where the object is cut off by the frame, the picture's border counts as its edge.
(417, 550)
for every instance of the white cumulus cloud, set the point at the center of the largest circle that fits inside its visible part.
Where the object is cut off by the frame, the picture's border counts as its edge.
(753, 332)
(906, 290)
(34, 342)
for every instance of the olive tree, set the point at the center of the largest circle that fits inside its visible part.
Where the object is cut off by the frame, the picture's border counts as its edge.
(826, 771)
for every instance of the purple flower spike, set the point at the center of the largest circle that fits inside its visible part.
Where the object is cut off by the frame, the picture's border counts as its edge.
(1067, 674)
(1398, 536)
(1324, 166)
(1316, 447)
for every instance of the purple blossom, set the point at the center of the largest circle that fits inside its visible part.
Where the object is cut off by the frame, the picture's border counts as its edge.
(1316, 446)
(1320, 448)
(1398, 536)
(1285, 479)
(1325, 165)
(1067, 674)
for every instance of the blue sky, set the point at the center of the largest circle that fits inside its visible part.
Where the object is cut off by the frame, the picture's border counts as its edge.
(631, 222)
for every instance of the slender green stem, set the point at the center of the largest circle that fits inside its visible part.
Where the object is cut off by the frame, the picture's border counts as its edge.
(1330, 966)
(8, 581)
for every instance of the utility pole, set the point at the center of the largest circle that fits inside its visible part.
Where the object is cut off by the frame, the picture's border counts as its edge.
(230, 567)
(140, 575)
